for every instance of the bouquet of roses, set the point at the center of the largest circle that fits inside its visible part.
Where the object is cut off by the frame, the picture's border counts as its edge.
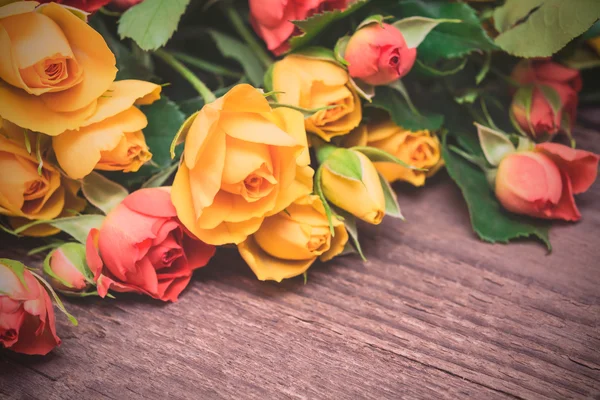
(287, 123)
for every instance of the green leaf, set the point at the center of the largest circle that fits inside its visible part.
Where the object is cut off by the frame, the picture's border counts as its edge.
(392, 101)
(151, 23)
(102, 192)
(57, 300)
(319, 192)
(392, 208)
(435, 72)
(485, 68)
(495, 145)
(416, 29)
(449, 40)
(164, 120)
(377, 155)
(373, 19)
(78, 227)
(128, 64)
(544, 30)
(242, 53)
(319, 53)
(312, 26)
(352, 229)
(268, 79)
(161, 177)
(512, 12)
(339, 51)
(489, 220)
(344, 163)
(552, 97)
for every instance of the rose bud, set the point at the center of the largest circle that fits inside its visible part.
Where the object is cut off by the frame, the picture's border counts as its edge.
(552, 98)
(288, 243)
(541, 183)
(85, 5)
(377, 54)
(54, 67)
(311, 83)
(420, 149)
(142, 247)
(272, 19)
(112, 138)
(362, 198)
(27, 322)
(67, 269)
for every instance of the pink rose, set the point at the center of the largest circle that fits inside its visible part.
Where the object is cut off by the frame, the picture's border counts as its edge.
(142, 247)
(541, 183)
(543, 118)
(378, 54)
(27, 323)
(271, 19)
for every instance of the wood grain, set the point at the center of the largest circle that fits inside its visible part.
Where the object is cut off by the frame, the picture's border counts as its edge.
(434, 313)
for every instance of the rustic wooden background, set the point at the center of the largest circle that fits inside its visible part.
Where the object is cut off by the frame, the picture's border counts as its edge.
(434, 313)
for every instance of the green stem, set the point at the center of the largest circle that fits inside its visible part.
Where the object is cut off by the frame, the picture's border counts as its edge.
(202, 89)
(206, 66)
(105, 11)
(249, 38)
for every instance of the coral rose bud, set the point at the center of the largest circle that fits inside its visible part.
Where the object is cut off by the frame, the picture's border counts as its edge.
(362, 198)
(272, 19)
(27, 322)
(552, 97)
(142, 247)
(288, 243)
(541, 183)
(378, 54)
(67, 269)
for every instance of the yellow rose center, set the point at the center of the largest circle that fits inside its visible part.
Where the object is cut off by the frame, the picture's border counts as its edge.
(36, 188)
(319, 244)
(339, 109)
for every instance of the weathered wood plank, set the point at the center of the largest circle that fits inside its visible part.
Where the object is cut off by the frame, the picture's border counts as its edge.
(434, 314)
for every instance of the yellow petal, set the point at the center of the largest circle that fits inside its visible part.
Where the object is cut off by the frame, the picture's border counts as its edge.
(300, 187)
(242, 158)
(230, 232)
(282, 237)
(267, 267)
(94, 58)
(200, 129)
(120, 97)
(30, 112)
(16, 8)
(181, 197)
(255, 128)
(338, 242)
(78, 152)
(245, 99)
(384, 130)
(292, 122)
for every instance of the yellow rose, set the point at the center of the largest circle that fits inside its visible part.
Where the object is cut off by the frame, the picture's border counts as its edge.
(25, 193)
(289, 242)
(310, 83)
(420, 149)
(242, 162)
(53, 68)
(111, 139)
(362, 198)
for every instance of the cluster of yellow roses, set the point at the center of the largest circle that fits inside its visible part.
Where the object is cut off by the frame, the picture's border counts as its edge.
(62, 114)
(244, 177)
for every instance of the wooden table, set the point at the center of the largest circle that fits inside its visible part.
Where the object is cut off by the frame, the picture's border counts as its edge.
(434, 313)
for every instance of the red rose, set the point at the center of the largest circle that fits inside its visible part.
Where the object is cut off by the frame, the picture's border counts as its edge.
(142, 247)
(271, 19)
(541, 183)
(85, 5)
(378, 54)
(27, 323)
(124, 4)
(545, 76)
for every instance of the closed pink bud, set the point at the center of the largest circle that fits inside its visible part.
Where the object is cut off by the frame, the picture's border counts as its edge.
(378, 54)
(67, 269)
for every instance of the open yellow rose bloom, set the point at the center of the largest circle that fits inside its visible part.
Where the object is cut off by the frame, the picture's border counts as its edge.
(288, 243)
(242, 161)
(311, 84)
(53, 68)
